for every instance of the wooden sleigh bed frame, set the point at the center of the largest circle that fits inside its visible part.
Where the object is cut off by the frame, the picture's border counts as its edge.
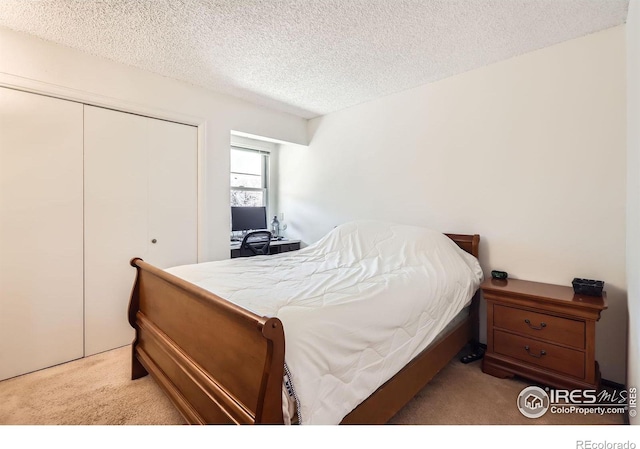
(222, 364)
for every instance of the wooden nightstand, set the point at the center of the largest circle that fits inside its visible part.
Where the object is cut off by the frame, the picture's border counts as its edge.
(542, 332)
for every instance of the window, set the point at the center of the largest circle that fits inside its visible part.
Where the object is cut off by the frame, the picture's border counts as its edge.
(249, 177)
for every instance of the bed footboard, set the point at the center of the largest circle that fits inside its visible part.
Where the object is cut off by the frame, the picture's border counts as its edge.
(218, 362)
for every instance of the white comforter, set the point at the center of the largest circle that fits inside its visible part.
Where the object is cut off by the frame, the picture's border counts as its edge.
(356, 306)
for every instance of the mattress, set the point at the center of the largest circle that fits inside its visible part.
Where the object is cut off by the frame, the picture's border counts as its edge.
(356, 306)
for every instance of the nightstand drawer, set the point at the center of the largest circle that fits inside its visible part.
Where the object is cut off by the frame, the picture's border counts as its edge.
(546, 355)
(540, 325)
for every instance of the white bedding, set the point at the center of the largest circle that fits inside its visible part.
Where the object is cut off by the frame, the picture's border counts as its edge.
(356, 306)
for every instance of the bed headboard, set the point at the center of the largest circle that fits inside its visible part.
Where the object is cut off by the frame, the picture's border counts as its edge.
(468, 242)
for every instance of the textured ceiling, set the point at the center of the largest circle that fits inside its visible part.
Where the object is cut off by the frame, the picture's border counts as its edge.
(309, 57)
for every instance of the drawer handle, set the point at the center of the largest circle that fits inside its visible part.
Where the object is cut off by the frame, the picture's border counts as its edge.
(542, 325)
(542, 352)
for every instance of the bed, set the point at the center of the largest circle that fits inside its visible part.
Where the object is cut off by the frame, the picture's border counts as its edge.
(371, 313)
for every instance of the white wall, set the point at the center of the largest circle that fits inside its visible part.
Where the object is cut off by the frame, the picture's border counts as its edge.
(528, 152)
(633, 194)
(32, 61)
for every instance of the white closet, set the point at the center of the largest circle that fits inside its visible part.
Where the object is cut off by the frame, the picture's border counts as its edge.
(41, 286)
(139, 188)
(83, 190)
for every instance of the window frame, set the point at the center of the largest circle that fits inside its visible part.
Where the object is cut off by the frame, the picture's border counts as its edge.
(265, 174)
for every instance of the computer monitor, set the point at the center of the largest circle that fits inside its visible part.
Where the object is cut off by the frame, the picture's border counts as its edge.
(248, 218)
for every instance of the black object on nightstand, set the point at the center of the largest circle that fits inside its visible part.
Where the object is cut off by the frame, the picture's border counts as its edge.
(587, 287)
(497, 274)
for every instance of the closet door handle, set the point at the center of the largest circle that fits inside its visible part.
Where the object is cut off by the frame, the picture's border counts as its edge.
(542, 325)
(154, 241)
(542, 352)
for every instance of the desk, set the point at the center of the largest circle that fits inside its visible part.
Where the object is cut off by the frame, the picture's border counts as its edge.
(276, 247)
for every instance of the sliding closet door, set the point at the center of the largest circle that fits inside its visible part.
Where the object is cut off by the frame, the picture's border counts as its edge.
(140, 201)
(173, 199)
(41, 284)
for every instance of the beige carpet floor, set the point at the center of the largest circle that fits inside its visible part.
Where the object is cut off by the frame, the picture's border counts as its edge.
(97, 390)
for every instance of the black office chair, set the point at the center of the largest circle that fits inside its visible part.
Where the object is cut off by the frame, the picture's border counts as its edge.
(255, 243)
